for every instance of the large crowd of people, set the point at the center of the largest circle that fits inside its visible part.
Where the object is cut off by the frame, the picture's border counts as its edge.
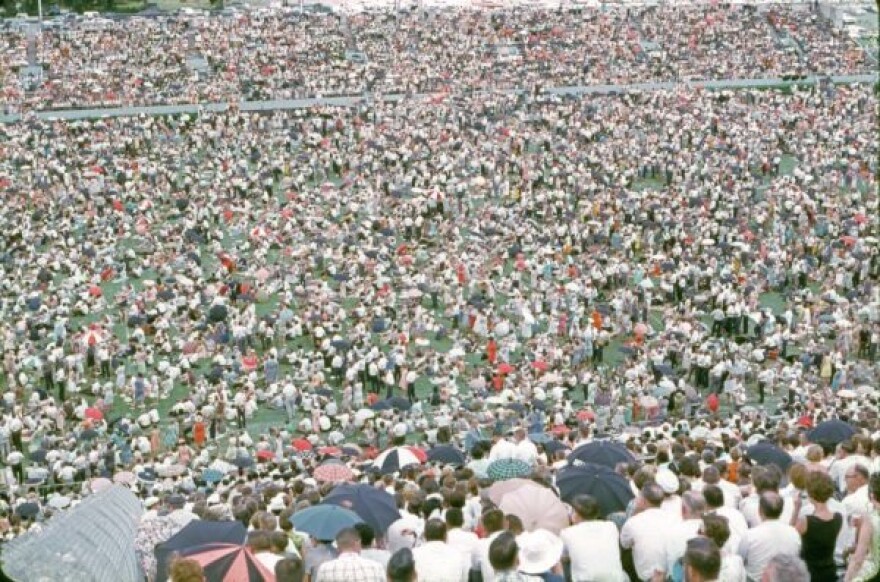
(272, 54)
(430, 296)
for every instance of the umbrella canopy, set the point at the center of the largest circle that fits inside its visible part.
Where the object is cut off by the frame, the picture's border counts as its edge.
(393, 460)
(505, 368)
(537, 507)
(504, 469)
(498, 490)
(93, 414)
(446, 454)
(27, 510)
(395, 402)
(831, 432)
(610, 490)
(420, 453)
(125, 478)
(229, 563)
(301, 444)
(243, 462)
(211, 475)
(376, 507)
(196, 533)
(333, 472)
(323, 522)
(606, 453)
(767, 453)
(99, 484)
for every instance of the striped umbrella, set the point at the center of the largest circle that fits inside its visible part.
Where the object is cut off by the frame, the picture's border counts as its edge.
(503, 469)
(394, 459)
(333, 473)
(229, 563)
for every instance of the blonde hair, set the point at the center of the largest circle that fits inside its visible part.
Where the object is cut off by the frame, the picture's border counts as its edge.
(185, 570)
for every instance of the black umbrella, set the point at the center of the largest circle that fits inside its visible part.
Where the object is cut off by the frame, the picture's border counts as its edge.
(395, 402)
(88, 434)
(243, 462)
(610, 490)
(27, 510)
(552, 446)
(607, 453)
(767, 453)
(217, 313)
(375, 506)
(831, 432)
(196, 533)
(446, 454)
(38, 456)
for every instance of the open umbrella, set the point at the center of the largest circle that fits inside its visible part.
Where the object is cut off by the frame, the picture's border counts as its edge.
(301, 445)
(395, 402)
(394, 459)
(243, 462)
(610, 490)
(767, 453)
(332, 472)
(446, 454)
(323, 522)
(211, 475)
(27, 510)
(196, 533)
(174, 470)
(552, 446)
(330, 451)
(505, 368)
(831, 432)
(420, 454)
(265, 456)
(376, 507)
(93, 414)
(229, 563)
(504, 469)
(538, 508)
(606, 453)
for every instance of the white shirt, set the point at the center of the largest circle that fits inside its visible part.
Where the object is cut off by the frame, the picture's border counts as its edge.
(527, 451)
(751, 511)
(640, 533)
(677, 537)
(737, 525)
(503, 449)
(485, 566)
(440, 562)
(766, 540)
(732, 568)
(467, 543)
(594, 552)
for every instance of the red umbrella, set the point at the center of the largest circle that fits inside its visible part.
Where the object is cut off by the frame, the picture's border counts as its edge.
(329, 451)
(540, 365)
(421, 455)
(585, 415)
(860, 218)
(95, 291)
(94, 414)
(301, 445)
(848, 240)
(265, 455)
(229, 563)
(333, 473)
(560, 430)
(505, 368)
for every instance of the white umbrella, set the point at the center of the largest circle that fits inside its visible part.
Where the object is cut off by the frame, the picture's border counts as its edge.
(364, 414)
(647, 283)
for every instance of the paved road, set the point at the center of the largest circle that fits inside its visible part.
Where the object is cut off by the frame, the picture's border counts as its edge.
(350, 101)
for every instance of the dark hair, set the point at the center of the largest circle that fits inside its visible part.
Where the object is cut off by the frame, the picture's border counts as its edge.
(258, 540)
(347, 538)
(514, 524)
(586, 507)
(653, 494)
(714, 496)
(770, 503)
(703, 556)
(503, 551)
(493, 520)
(766, 478)
(435, 530)
(874, 486)
(716, 528)
(401, 566)
(367, 534)
(454, 517)
(711, 475)
(278, 540)
(289, 570)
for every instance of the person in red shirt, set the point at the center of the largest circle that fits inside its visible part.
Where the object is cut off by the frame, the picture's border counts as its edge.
(712, 403)
(492, 351)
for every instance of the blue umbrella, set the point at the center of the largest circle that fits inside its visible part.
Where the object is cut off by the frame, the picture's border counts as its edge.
(196, 533)
(767, 453)
(540, 437)
(446, 454)
(554, 445)
(605, 453)
(396, 402)
(376, 507)
(212, 475)
(610, 490)
(831, 432)
(323, 522)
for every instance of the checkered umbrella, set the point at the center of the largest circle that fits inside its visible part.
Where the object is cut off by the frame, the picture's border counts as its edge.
(333, 473)
(503, 469)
